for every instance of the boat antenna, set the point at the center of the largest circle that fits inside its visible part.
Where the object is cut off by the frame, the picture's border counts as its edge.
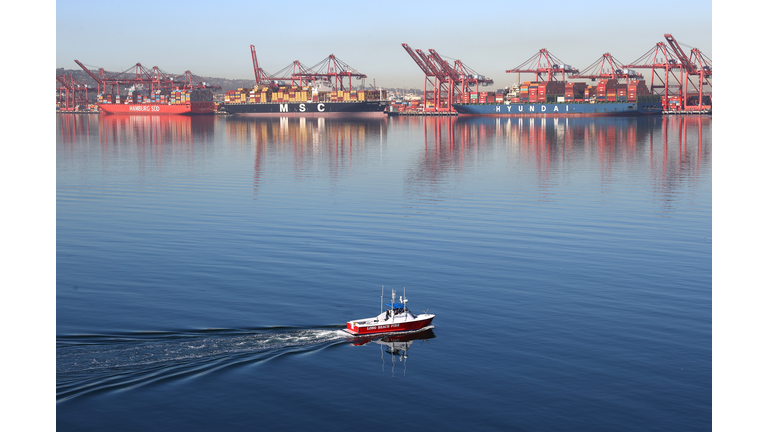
(381, 311)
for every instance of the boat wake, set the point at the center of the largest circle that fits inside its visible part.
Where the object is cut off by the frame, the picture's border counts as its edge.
(92, 363)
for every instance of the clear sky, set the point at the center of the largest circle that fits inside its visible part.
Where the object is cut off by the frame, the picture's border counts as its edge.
(213, 38)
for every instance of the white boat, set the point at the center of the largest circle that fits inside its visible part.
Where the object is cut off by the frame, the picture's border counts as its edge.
(397, 318)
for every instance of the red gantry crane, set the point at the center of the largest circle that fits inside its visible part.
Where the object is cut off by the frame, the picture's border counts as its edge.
(704, 66)
(194, 82)
(98, 78)
(152, 79)
(607, 67)
(669, 59)
(447, 81)
(297, 73)
(258, 72)
(449, 77)
(469, 77)
(429, 75)
(64, 93)
(72, 94)
(331, 70)
(545, 65)
(301, 75)
(461, 78)
(442, 84)
(334, 71)
(110, 82)
(664, 66)
(695, 65)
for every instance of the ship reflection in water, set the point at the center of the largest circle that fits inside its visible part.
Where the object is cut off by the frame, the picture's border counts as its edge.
(395, 346)
(334, 144)
(674, 147)
(158, 130)
(304, 134)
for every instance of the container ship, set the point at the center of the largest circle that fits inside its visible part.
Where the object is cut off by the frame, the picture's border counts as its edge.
(554, 99)
(306, 100)
(158, 102)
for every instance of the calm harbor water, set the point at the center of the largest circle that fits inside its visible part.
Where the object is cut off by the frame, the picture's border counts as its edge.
(206, 266)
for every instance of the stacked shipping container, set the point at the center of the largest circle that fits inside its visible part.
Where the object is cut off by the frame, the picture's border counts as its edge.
(612, 91)
(266, 94)
(550, 90)
(576, 92)
(557, 91)
(636, 88)
(606, 90)
(162, 97)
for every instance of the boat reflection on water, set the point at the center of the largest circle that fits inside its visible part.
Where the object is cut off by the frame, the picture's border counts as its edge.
(396, 346)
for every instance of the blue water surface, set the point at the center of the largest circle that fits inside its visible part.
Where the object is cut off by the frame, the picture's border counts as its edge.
(206, 266)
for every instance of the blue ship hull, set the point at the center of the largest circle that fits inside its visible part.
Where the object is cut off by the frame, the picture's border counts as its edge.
(561, 109)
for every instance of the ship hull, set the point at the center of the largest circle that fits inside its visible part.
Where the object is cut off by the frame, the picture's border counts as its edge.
(561, 109)
(307, 108)
(355, 329)
(191, 108)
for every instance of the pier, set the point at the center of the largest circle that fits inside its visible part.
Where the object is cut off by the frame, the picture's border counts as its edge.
(421, 113)
(686, 112)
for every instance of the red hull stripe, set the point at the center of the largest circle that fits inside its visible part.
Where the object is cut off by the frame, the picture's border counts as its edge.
(159, 109)
(386, 328)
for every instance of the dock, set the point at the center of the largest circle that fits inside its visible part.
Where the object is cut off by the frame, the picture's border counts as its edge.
(686, 112)
(421, 113)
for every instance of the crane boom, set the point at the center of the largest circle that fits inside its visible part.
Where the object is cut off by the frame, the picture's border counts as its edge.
(430, 65)
(418, 60)
(445, 68)
(334, 71)
(607, 67)
(687, 64)
(102, 86)
(256, 70)
(545, 62)
(88, 71)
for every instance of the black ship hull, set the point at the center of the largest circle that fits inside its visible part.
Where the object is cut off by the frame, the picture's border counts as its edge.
(307, 108)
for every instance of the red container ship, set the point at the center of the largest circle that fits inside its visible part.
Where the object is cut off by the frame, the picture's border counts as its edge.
(159, 102)
(159, 109)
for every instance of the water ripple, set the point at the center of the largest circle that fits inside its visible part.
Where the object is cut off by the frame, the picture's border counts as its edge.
(88, 363)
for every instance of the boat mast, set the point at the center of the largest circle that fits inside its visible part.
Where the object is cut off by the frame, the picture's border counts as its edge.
(381, 311)
(405, 302)
(405, 305)
(392, 307)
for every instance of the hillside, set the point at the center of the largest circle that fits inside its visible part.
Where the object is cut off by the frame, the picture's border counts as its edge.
(226, 84)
